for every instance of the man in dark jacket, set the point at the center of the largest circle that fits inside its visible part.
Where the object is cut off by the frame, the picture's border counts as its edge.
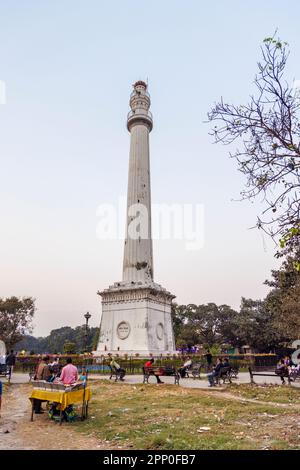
(209, 357)
(10, 361)
(215, 373)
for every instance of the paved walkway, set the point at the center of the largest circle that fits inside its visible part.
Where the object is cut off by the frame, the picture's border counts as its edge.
(243, 378)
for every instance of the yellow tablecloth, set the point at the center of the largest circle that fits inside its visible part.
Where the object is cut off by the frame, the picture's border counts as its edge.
(64, 398)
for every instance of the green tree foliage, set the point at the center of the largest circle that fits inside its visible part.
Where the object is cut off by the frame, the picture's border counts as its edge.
(16, 316)
(255, 325)
(69, 347)
(54, 343)
(262, 324)
(283, 301)
(204, 324)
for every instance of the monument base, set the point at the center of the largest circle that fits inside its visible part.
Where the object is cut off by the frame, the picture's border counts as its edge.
(136, 319)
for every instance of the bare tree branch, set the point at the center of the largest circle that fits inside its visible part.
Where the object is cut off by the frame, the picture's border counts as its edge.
(267, 129)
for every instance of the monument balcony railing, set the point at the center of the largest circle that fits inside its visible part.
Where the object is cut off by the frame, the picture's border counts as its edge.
(137, 114)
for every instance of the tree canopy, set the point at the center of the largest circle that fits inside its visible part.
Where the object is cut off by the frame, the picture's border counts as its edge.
(16, 317)
(264, 324)
(62, 340)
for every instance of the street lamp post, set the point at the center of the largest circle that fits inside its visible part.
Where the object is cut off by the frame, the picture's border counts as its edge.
(87, 316)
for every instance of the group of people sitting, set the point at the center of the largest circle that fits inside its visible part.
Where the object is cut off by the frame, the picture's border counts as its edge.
(222, 366)
(57, 373)
(286, 368)
(211, 376)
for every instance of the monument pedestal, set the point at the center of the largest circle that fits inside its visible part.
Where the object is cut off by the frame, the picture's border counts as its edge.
(136, 318)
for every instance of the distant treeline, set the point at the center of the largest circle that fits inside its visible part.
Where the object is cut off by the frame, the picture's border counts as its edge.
(62, 340)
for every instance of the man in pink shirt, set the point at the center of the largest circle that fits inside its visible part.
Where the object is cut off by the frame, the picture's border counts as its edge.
(69, 373)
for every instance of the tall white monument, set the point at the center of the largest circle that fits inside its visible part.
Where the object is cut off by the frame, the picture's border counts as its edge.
(136, 312)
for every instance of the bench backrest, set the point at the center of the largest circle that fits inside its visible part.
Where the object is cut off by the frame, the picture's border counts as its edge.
(224, 371)
(3, 369)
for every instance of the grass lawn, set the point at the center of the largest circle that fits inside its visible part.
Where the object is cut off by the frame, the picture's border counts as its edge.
(171, 417)
(267, 393)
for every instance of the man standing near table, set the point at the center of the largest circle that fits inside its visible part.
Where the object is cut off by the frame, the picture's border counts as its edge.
(11, 361)
(69, 373)
(209, 358)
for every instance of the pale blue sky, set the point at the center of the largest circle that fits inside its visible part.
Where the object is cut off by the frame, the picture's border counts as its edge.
(68, 68)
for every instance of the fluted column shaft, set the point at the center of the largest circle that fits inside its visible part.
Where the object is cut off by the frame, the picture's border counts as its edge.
(138, 258)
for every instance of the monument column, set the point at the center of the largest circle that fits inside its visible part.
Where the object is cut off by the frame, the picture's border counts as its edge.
(138, 259)
(136, 312)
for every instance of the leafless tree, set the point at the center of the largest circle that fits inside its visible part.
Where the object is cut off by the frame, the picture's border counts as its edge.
(268, 131)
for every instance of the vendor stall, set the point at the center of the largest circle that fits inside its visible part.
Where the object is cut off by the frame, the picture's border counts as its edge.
(61, 395)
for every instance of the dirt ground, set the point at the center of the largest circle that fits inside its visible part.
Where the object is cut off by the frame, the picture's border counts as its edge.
(18, 432)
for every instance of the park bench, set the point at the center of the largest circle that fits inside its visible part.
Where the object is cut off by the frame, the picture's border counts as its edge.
(234, 372)
(223, 374)
(115, 373)
(194, 371)
(295, 375)
(263, 372)
(161, 371)
(5, 371)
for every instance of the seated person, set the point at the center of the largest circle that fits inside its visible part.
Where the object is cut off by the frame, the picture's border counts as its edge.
(69, 373)
(226, 363)
(155, 373)
(114, 365)
(182, 370)
(83, 375)
(42, 373)
(290, 365)
(282, 370)
(212, 375)
(55, 367)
